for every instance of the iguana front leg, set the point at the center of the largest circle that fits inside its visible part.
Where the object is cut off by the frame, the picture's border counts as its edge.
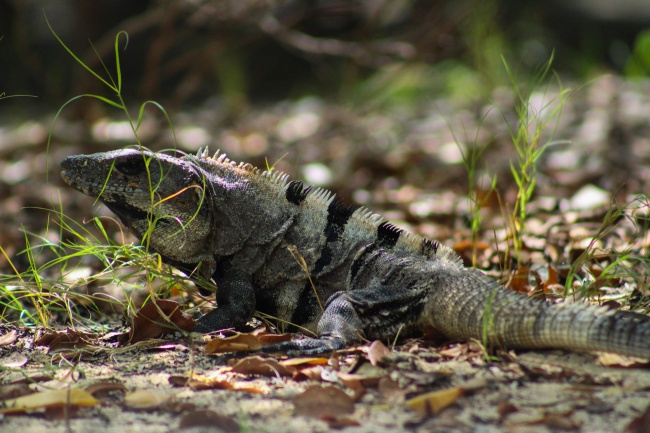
(235, 305)
(339, 327)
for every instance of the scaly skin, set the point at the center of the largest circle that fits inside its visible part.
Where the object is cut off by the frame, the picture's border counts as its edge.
(298, 254)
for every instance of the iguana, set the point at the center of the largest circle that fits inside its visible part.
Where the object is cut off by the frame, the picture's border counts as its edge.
(299, 254)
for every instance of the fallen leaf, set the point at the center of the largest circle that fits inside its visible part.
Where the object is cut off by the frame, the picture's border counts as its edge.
(14, 360)
(323, 402)
(519, 281)
(298, 362)
(377, 351)
(561, 422)
(158, 318)
(465, 249)
(242, 341)
(8, 338)
(14, 391)
(198, 382)
(553, 277)
(68, 339)
(145, 399)
(506, 408)
(434, 402)
(104, 387)
(268, 338)
(640, 424)
(311, 373)
(263, 367)
(236, 343)
(609, 359)
(390, 389)
(209, 419)
(62, 397)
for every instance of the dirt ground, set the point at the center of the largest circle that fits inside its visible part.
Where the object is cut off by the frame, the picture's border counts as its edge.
(403, 163)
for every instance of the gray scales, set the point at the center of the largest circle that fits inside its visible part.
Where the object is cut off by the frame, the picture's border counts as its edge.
(298, 254)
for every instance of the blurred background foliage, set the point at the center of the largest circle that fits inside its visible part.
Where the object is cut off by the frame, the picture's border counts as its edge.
(184, 52)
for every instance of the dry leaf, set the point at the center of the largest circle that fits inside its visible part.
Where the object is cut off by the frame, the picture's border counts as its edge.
(377, 351)
(434, 402)
(65, 340)
(519, 281)
(311, 373)
(640, 424)
(298, 362)
(14, 360)
(390, 389)
(104, 387)
(268, 338)
(145, 399)
(506, 408)
(235, 343)
(609, 359)
(14, 391)
(209, 419)
(553, 277)
(198, 382)
(150, 321)
(323, 402)
(263, 366)
(8, 338)
(244, 342)
(62, 397)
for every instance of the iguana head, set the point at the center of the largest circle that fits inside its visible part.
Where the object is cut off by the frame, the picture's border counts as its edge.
(165, 201)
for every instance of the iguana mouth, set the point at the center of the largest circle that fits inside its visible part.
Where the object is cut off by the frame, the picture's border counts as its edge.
(123, 209)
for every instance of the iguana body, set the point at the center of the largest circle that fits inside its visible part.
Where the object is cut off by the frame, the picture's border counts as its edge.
(299, 255)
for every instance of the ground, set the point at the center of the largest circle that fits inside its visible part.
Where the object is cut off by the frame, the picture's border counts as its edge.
(401, 162)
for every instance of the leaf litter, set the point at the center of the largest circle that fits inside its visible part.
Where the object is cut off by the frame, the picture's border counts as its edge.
(186, 382)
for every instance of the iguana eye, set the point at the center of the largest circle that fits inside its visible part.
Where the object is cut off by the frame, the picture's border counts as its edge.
(131, 167)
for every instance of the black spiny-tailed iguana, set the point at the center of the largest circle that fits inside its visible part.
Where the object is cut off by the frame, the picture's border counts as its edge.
(299, 254)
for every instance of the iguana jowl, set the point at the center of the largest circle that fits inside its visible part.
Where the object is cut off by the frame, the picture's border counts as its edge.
(298, 254)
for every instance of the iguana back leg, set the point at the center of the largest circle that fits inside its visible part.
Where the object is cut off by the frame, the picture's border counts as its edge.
(352, 317)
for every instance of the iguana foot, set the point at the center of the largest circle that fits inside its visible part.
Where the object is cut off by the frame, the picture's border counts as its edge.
(306, 346)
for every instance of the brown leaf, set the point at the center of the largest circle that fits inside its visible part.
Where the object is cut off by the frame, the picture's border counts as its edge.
(465, 250)
(8, 338)
(209, 419)
(198, 382)
(244, 342)
(561, 422)
(506, 408)
(158, 318)
(553, 276)
(311, 373)
(377, 351)
(65, 340)
(615, 360)
(104, 387)
(235, 343)
(14, 391)
(145, 399)
(263, 367)
(14, 360)
(268, 338)
(301, 362)
(519, 281)
(323, 402)
(434, 402)
(390, 389)
(58, 398)
(640, 424)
